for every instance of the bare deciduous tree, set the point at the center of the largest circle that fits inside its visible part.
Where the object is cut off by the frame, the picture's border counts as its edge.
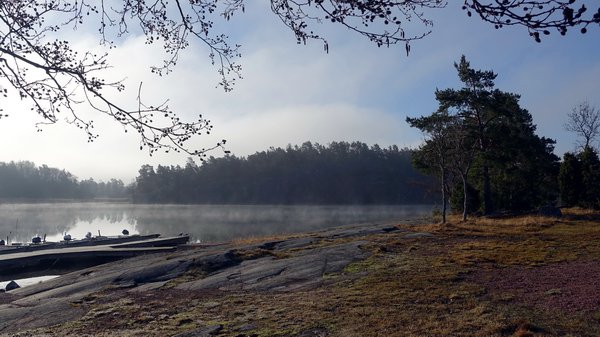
(584, 121)
(45, 69)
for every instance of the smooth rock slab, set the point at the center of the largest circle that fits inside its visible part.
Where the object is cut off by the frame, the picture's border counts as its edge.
(62, 299)
(268, 273)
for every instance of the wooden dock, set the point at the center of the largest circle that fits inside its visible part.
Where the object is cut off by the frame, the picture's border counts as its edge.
(62, 260)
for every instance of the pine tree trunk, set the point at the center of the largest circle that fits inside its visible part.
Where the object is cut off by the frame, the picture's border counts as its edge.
(444, 202)
(488, 206)
(465, 197)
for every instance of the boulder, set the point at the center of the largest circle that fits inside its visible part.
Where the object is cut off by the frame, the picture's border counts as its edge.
(12, 285)
(202, 332)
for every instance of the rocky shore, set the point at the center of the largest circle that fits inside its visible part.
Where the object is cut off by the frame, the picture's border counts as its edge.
(292, 264)
(522, 276)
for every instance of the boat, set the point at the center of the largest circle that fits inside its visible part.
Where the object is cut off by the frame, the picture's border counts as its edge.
(91, 241)
(66, 257)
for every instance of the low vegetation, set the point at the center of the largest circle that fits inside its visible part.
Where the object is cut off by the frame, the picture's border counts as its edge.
(511, 276)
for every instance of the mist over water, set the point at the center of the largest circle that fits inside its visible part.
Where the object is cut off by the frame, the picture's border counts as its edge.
(205, 223)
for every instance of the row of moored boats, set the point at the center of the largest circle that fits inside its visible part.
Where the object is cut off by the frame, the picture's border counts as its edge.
(39, 243)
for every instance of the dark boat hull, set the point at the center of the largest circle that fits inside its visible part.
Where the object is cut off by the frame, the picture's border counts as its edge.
(96, 241)
(70, 258)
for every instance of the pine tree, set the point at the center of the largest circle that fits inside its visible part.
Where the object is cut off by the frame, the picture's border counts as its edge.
(491, 140)
(569, 180)
(590, 178)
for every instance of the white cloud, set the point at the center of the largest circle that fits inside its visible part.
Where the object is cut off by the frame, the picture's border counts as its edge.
(317, 123)
(293, 93)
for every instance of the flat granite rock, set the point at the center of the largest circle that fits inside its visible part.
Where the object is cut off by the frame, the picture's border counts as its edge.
(268, 273)
(359, 230)
(294, 264)
(44, 313)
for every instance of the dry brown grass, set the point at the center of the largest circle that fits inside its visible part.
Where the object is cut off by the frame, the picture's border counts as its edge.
(581, 211)
(490, 226)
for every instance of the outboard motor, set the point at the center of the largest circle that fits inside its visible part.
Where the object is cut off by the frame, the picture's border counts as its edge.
(36, 240)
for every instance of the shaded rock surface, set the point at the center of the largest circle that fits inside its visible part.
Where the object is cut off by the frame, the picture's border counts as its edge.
(283, 266)
(294, 273)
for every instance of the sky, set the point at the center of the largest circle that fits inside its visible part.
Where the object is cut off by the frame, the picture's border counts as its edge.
(294, 93)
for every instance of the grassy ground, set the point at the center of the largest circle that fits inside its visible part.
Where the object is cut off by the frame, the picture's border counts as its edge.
(519, 276)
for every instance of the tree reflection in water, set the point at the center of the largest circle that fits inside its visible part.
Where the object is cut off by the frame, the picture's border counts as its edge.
(205, 223)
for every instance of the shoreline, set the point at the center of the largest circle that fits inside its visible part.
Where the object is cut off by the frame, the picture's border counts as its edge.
(366, 280)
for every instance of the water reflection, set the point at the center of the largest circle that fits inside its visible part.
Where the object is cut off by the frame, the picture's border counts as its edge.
(205, 223)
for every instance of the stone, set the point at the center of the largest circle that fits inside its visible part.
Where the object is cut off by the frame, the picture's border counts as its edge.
(207, 331)
(247, 327)
(12, 285)
(316, 332)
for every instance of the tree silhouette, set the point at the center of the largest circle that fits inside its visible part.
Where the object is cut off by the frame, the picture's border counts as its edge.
(340, 173)
(481, 134)
(538, 16)
(24, 180)
(434, 156)
(43, 67)
(584, 120)
(590, 178)
(473, 103)
(570, 180)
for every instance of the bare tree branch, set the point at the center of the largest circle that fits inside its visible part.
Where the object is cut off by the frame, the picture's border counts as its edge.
(584, 121)
(46, 71)
(538, 16)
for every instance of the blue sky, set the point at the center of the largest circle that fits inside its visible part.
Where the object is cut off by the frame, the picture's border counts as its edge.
(293, 93)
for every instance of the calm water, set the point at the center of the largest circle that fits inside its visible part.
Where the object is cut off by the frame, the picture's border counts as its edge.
(205, 223)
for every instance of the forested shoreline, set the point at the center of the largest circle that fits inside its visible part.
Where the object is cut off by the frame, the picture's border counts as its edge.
(24, 181)
(340, 173)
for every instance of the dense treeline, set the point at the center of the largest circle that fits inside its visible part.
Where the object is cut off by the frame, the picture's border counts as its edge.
(25, 180)
(340, 173)
(483, 147)
(579, 179)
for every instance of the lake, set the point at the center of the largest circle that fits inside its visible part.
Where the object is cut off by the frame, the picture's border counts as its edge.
(205, 223)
